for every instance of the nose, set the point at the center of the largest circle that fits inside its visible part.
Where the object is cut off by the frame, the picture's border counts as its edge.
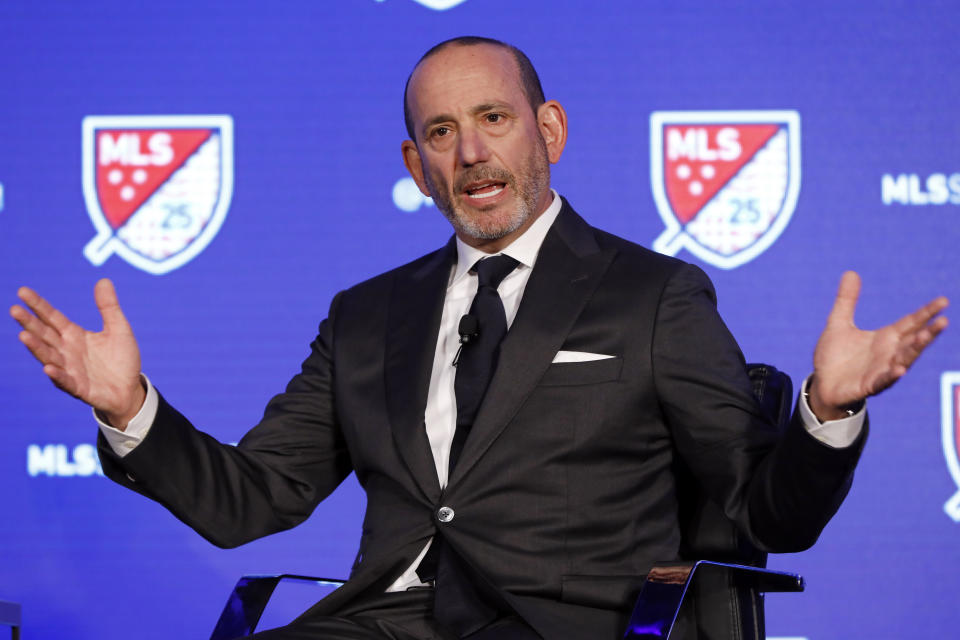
(472, 147)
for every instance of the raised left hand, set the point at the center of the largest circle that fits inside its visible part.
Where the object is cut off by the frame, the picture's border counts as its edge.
(851, 364)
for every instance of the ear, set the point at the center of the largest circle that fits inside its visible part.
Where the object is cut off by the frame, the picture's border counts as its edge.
(552, 122)
(411, 159)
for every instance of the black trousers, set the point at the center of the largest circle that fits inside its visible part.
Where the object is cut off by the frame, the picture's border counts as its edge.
(406, 615)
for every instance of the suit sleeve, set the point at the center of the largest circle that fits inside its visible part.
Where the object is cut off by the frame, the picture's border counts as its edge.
(271, 481)
(781, 489)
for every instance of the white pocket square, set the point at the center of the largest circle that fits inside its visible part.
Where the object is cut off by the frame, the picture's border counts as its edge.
(579, 356)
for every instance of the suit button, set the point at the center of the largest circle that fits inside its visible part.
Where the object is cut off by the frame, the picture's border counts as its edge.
(445, 514)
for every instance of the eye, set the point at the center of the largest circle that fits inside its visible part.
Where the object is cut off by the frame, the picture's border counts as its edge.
(494, 118)
(440, 132)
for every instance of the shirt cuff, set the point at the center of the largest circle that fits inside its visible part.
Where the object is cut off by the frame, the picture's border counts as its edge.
(835, 433)
(123, 442)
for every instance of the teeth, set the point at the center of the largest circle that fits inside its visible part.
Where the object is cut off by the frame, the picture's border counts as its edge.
(488, 194)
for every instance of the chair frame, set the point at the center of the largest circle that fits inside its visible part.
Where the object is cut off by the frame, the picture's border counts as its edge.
(248, 600)
(659, 605)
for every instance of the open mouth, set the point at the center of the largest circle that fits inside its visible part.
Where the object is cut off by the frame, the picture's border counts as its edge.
(484, 190)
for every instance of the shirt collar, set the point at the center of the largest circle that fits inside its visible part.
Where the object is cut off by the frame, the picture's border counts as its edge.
(524, 249)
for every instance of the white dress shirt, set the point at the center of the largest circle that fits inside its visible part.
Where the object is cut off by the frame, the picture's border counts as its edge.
(440, 416)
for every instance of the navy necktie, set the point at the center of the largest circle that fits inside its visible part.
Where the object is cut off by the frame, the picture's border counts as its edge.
(460, 602)
(478, 359)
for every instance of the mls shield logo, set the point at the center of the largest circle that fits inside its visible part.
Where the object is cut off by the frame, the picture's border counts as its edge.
(157, 188)
(725, 182)
(950, 420)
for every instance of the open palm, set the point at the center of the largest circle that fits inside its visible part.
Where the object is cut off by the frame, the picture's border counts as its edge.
(102, 368)
(851, 364)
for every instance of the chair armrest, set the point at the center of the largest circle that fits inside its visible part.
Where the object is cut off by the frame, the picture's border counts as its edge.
(666, 585)
(248, 600)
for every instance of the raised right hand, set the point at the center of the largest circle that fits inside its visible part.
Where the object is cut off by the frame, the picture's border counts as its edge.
(102, 369)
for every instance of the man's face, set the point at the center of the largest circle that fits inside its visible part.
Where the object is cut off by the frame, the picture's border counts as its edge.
(479, 151)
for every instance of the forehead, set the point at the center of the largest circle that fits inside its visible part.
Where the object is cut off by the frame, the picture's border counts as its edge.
(460, 77)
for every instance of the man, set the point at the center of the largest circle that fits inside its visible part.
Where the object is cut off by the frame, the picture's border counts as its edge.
(537, 511)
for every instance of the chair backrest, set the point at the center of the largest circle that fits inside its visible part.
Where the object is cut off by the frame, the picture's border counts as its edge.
(719, 610)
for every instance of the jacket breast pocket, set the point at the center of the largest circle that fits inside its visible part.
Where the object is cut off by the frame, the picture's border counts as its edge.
(565, 374)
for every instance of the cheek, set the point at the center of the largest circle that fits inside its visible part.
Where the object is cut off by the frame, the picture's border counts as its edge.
(437, 178)
(517, 155)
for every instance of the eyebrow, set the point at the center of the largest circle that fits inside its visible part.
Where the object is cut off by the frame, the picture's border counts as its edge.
(477, 110)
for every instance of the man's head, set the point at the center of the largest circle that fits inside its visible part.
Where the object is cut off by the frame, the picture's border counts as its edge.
(529, 80)
(482, 138)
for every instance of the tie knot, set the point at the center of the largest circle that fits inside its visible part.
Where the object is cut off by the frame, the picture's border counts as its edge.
(492, 271)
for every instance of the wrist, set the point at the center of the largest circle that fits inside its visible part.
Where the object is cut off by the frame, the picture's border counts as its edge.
(825, 412)
(119, 419)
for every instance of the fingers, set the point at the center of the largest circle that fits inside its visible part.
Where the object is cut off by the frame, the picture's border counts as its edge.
(43, 309)
(917, 341)
(34, 325)
(911, 344)
(920, 328)
(922, 316)
(846, 301)
(936, 327)
(105, 296)
(43, 352)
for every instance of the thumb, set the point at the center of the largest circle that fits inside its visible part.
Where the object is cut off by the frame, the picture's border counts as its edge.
(846, 301)
(106, 298)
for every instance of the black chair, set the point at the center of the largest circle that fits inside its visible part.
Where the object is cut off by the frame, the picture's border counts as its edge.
(715, 595)
(722, 581)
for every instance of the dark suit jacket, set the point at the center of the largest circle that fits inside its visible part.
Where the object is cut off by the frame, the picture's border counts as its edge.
(565, 493)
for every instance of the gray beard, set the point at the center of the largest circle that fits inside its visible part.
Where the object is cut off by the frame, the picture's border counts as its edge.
(474, 227)
(534, 177)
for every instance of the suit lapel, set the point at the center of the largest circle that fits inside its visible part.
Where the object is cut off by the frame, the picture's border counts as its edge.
(410, 347)
(568, 269)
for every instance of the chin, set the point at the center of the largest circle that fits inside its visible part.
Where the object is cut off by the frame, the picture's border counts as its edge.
(485, 228)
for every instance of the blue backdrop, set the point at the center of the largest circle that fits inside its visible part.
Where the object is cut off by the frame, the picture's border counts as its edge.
(318, 202)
